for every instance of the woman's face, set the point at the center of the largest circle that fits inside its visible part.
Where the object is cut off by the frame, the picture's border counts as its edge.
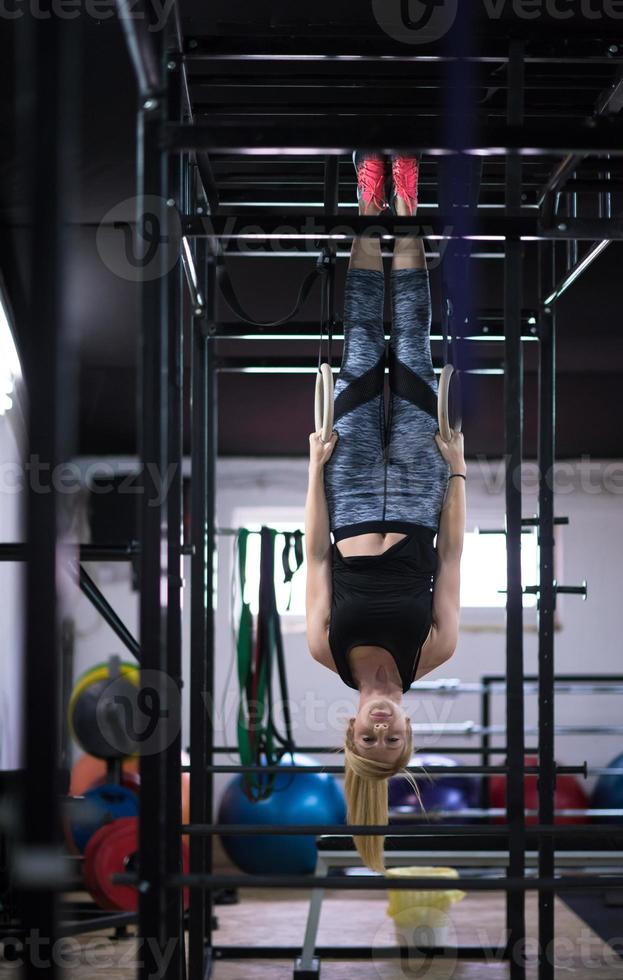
(379, 730)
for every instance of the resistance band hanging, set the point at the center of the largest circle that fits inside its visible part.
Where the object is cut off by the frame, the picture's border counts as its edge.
(294, 541)
(323, 396)
(257, 732)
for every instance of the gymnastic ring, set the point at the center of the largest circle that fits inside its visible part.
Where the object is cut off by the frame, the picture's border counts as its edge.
(449, 413)
(323, 402)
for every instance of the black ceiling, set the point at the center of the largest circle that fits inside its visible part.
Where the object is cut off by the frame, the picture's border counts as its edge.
(271, 414)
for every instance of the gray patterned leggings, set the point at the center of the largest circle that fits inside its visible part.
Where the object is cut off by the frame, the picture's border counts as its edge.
(382, 475)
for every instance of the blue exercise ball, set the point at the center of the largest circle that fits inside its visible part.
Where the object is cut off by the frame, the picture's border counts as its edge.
(101, 805)
(438, 793)
(608, 793)
(297, 798)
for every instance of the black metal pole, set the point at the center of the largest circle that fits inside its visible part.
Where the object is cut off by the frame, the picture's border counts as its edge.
(212, 454)
(142, 46)
(175, 525)
(48, 78)
(199, 632)
(485, 739)
(513, 413)
(546, 604)
(154, 545)
(106, 611)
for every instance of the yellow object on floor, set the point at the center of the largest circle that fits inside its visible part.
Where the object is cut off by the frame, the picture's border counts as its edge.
(421, 916)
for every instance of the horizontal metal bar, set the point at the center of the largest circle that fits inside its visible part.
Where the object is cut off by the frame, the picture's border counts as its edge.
(382, 830)
(294, 251)
(258, 364)
(450, 750)
(480, 326)
(550, 40)
(316, 228)
(562, 589)
(496, 953)
(382, 883)
(475, 770)
(468, 728)
(18, 551)
(535, 521)
(562, 678)
(334, 133)
(95, 922)
(450, 686)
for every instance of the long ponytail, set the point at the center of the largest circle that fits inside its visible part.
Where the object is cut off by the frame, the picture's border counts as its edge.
(366, 793)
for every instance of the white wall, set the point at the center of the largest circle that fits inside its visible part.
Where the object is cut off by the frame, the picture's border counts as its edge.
(587, 641)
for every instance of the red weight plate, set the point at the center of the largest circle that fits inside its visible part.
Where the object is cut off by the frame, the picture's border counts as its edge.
(108, 853)
(185, 868)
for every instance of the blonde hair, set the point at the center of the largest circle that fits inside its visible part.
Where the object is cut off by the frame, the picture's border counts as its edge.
(366, 790)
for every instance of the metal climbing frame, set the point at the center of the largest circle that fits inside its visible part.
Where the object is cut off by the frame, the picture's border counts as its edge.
(173, 167)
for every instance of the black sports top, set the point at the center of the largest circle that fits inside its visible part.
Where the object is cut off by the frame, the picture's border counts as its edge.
(384, 600)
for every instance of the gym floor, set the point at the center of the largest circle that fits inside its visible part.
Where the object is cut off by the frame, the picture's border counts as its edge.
(266, 917)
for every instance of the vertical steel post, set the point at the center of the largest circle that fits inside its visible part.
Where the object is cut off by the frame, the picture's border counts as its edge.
(152, 223)
(485, 738)
(203, 458)
(175, 525)
(572, 211)
(547, 603)
(211, 555)
(48, 75)
(513, 413)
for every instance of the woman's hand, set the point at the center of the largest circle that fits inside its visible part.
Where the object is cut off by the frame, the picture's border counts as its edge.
(319, 451)
(452, 451)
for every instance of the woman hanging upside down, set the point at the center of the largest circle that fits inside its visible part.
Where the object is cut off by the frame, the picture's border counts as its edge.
(383, 600)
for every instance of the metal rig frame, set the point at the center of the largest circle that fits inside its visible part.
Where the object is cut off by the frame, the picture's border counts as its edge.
(198, 102)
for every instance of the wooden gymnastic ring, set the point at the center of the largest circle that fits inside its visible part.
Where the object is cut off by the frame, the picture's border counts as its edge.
(449, 413)
(323, 402)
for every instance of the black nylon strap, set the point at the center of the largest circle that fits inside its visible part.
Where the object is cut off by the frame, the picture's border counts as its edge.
(359, 390)
(408, 385)
(227, 291)
(326, 269)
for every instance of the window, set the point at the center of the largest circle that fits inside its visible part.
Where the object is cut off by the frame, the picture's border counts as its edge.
(10, 370)
(483, 569)
(295, 589)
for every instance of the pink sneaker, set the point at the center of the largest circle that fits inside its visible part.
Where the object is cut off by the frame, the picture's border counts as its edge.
(371, 177)
(405, 173)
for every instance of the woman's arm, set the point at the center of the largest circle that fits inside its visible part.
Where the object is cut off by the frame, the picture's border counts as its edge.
(443, 637)
(318, 587)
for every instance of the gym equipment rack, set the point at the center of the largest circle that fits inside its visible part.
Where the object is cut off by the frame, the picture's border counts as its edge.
(198, 103)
